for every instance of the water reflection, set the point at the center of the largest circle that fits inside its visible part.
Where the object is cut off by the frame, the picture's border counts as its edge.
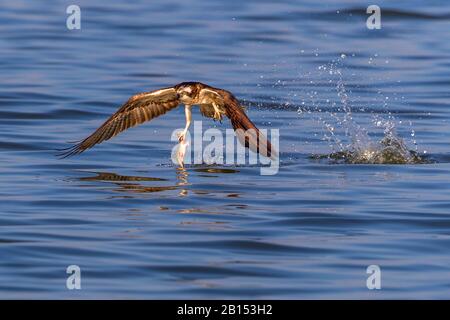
(124, 184)
(182, 178)
(210, 170)
(306, 232)
(139, 184)
(216, 170)
(109, 176)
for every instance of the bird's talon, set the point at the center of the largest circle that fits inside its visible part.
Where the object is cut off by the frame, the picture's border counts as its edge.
(181, 136)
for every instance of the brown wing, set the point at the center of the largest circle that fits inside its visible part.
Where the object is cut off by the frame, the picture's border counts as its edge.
(138, 109)
(207, 110)
(246, 131)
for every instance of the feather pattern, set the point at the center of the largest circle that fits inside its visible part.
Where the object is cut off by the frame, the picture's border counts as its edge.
(214, 103)
(138, 109)
(246, 131)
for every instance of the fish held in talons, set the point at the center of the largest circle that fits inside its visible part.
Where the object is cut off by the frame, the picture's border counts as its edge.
(181, 152)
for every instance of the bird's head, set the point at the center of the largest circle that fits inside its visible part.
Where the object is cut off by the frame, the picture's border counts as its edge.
(187, 92)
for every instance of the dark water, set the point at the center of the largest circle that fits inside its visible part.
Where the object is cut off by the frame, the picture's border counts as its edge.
(140, 228)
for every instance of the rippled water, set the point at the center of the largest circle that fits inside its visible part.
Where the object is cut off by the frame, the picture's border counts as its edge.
(138, 227)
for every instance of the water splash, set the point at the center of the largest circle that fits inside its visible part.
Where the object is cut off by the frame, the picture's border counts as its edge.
(349, 141)
(389, 150)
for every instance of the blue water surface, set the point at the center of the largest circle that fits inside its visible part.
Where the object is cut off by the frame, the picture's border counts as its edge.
(140, 228)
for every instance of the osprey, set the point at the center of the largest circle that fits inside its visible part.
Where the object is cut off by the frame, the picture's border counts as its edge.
(213, 102)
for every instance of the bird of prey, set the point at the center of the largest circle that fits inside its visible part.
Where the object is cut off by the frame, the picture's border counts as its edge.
(213, 102)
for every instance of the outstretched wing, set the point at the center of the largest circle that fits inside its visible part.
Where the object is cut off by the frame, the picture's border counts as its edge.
(246, 131)
(207, 110)
(138, 109)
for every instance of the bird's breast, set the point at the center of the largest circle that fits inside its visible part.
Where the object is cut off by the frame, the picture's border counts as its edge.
(187, 100)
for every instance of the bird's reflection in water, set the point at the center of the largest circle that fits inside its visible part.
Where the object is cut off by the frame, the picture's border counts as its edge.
(129, 183)
(216, 170)
(182, 178)
(183, 174)
(139, 184)
(209, 172)
(108, 176)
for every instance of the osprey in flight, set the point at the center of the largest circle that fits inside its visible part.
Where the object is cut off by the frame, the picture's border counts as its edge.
(213, 102)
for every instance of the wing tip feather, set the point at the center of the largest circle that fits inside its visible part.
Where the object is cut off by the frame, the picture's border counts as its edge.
(69, 151)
